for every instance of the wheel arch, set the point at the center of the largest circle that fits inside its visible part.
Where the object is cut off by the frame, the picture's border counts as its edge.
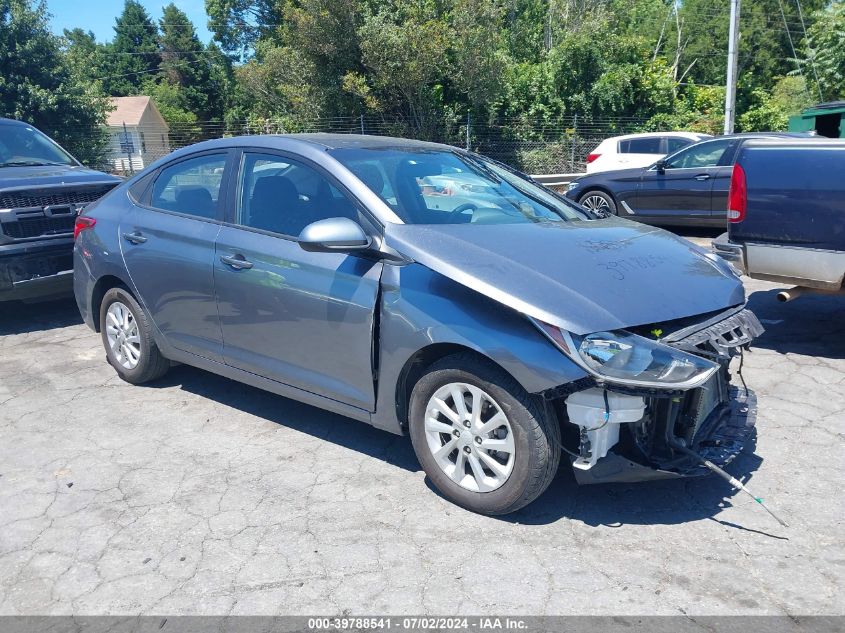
(417, 365)
(101, 287)
(603, 188)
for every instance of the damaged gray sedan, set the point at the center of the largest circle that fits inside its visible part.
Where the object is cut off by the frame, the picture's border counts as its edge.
(430, 292)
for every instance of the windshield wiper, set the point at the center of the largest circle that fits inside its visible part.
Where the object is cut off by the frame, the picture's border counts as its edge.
(31, 163)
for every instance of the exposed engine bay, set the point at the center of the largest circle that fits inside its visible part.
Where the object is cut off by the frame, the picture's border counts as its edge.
(620, 433)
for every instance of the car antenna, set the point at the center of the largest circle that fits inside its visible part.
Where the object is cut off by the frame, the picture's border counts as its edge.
(733, 481)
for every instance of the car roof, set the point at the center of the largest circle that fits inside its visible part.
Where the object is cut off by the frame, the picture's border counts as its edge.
(320, 140)
(5, 121)
(309, 145)
(804, 141)
(766, 135)
(679, 134)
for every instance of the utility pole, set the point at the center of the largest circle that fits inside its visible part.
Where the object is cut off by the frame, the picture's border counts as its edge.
(733, 54)
(469, 123)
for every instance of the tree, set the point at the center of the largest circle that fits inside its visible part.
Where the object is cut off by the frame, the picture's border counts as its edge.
(697, 109)
(825, 52)
(478, 51)
(185, 65)
(770, 109)
(37, 84)
(276, 89)
(134, 51)
(769, 31)
(240, 24)
(325, 35)
(86, 58)
(223, 86)
(403, 49)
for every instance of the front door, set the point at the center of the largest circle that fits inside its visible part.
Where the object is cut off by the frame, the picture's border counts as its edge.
(168, 248)
(684, 188)
(303, 319)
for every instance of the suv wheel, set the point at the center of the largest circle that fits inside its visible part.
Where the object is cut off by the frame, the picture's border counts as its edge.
(484, 442)
(127, 337)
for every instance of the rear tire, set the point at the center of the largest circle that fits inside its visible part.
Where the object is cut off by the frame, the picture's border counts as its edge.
(501, 455)
(128, 339)
(599, 202)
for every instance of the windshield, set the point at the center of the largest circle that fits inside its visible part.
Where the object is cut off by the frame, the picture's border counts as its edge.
(425, 186)
(24, 145)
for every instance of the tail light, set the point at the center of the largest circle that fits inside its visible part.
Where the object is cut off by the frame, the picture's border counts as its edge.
(592, 157)
(737, 195)
(83, 222)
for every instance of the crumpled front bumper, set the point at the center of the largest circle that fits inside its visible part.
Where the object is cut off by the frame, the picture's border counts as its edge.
(715, 420)
(721, 437)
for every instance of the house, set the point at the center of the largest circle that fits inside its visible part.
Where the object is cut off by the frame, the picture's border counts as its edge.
(139, 134)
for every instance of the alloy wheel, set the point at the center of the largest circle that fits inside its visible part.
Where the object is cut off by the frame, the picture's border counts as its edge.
(470, 437)
(122, 335)
(596, 203)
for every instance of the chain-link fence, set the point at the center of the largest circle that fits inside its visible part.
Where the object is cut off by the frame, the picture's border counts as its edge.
(534, 147)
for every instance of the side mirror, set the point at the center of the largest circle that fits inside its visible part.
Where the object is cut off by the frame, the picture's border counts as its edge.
(333, 235)
(660, 166)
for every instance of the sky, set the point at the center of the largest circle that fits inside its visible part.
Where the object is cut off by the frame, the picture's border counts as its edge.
(99, 15)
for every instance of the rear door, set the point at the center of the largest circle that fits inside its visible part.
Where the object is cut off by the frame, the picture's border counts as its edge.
(683, 189)
(640, 152)
(304, 319)
(168, 247)
(722, 181)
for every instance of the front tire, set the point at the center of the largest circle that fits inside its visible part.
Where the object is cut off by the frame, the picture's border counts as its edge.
(485, 443)
(128, 339)
(599, 202)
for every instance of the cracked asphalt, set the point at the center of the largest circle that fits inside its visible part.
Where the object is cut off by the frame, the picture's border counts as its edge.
(198, 495)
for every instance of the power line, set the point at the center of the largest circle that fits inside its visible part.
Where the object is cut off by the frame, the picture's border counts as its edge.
(162, 51)
(141, 72)
(792, 46)
(812, 56)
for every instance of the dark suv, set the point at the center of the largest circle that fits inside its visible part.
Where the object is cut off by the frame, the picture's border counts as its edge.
(42, 189)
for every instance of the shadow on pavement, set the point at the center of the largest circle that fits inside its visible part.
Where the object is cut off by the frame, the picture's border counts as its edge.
(811, 325)
(338, 429)
(668, 502)
(20, 318)
(651, 503)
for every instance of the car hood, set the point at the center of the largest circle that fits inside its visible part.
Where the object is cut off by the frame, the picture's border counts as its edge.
(583, 275)
(45, 176)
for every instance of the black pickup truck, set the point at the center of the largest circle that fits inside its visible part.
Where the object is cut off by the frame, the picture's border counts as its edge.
(786, 215)
(42, 190)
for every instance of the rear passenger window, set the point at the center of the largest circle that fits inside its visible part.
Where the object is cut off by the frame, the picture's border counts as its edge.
(190, 186)
(674, 144)
(702, 155)
(643, 146)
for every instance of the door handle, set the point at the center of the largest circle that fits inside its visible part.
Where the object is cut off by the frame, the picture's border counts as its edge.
(135, 237)
(238, 262)
(703, 177)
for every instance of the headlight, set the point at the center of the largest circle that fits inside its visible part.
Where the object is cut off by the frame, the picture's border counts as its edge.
(572, 185)
(626, 358)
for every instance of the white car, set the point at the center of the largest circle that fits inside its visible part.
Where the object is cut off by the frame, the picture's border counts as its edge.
(638, 150)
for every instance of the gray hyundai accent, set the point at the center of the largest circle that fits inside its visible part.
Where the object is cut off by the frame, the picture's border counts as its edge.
(427, 291)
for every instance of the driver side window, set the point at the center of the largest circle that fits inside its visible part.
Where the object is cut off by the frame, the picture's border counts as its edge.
(702, 155)
(282, 195)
